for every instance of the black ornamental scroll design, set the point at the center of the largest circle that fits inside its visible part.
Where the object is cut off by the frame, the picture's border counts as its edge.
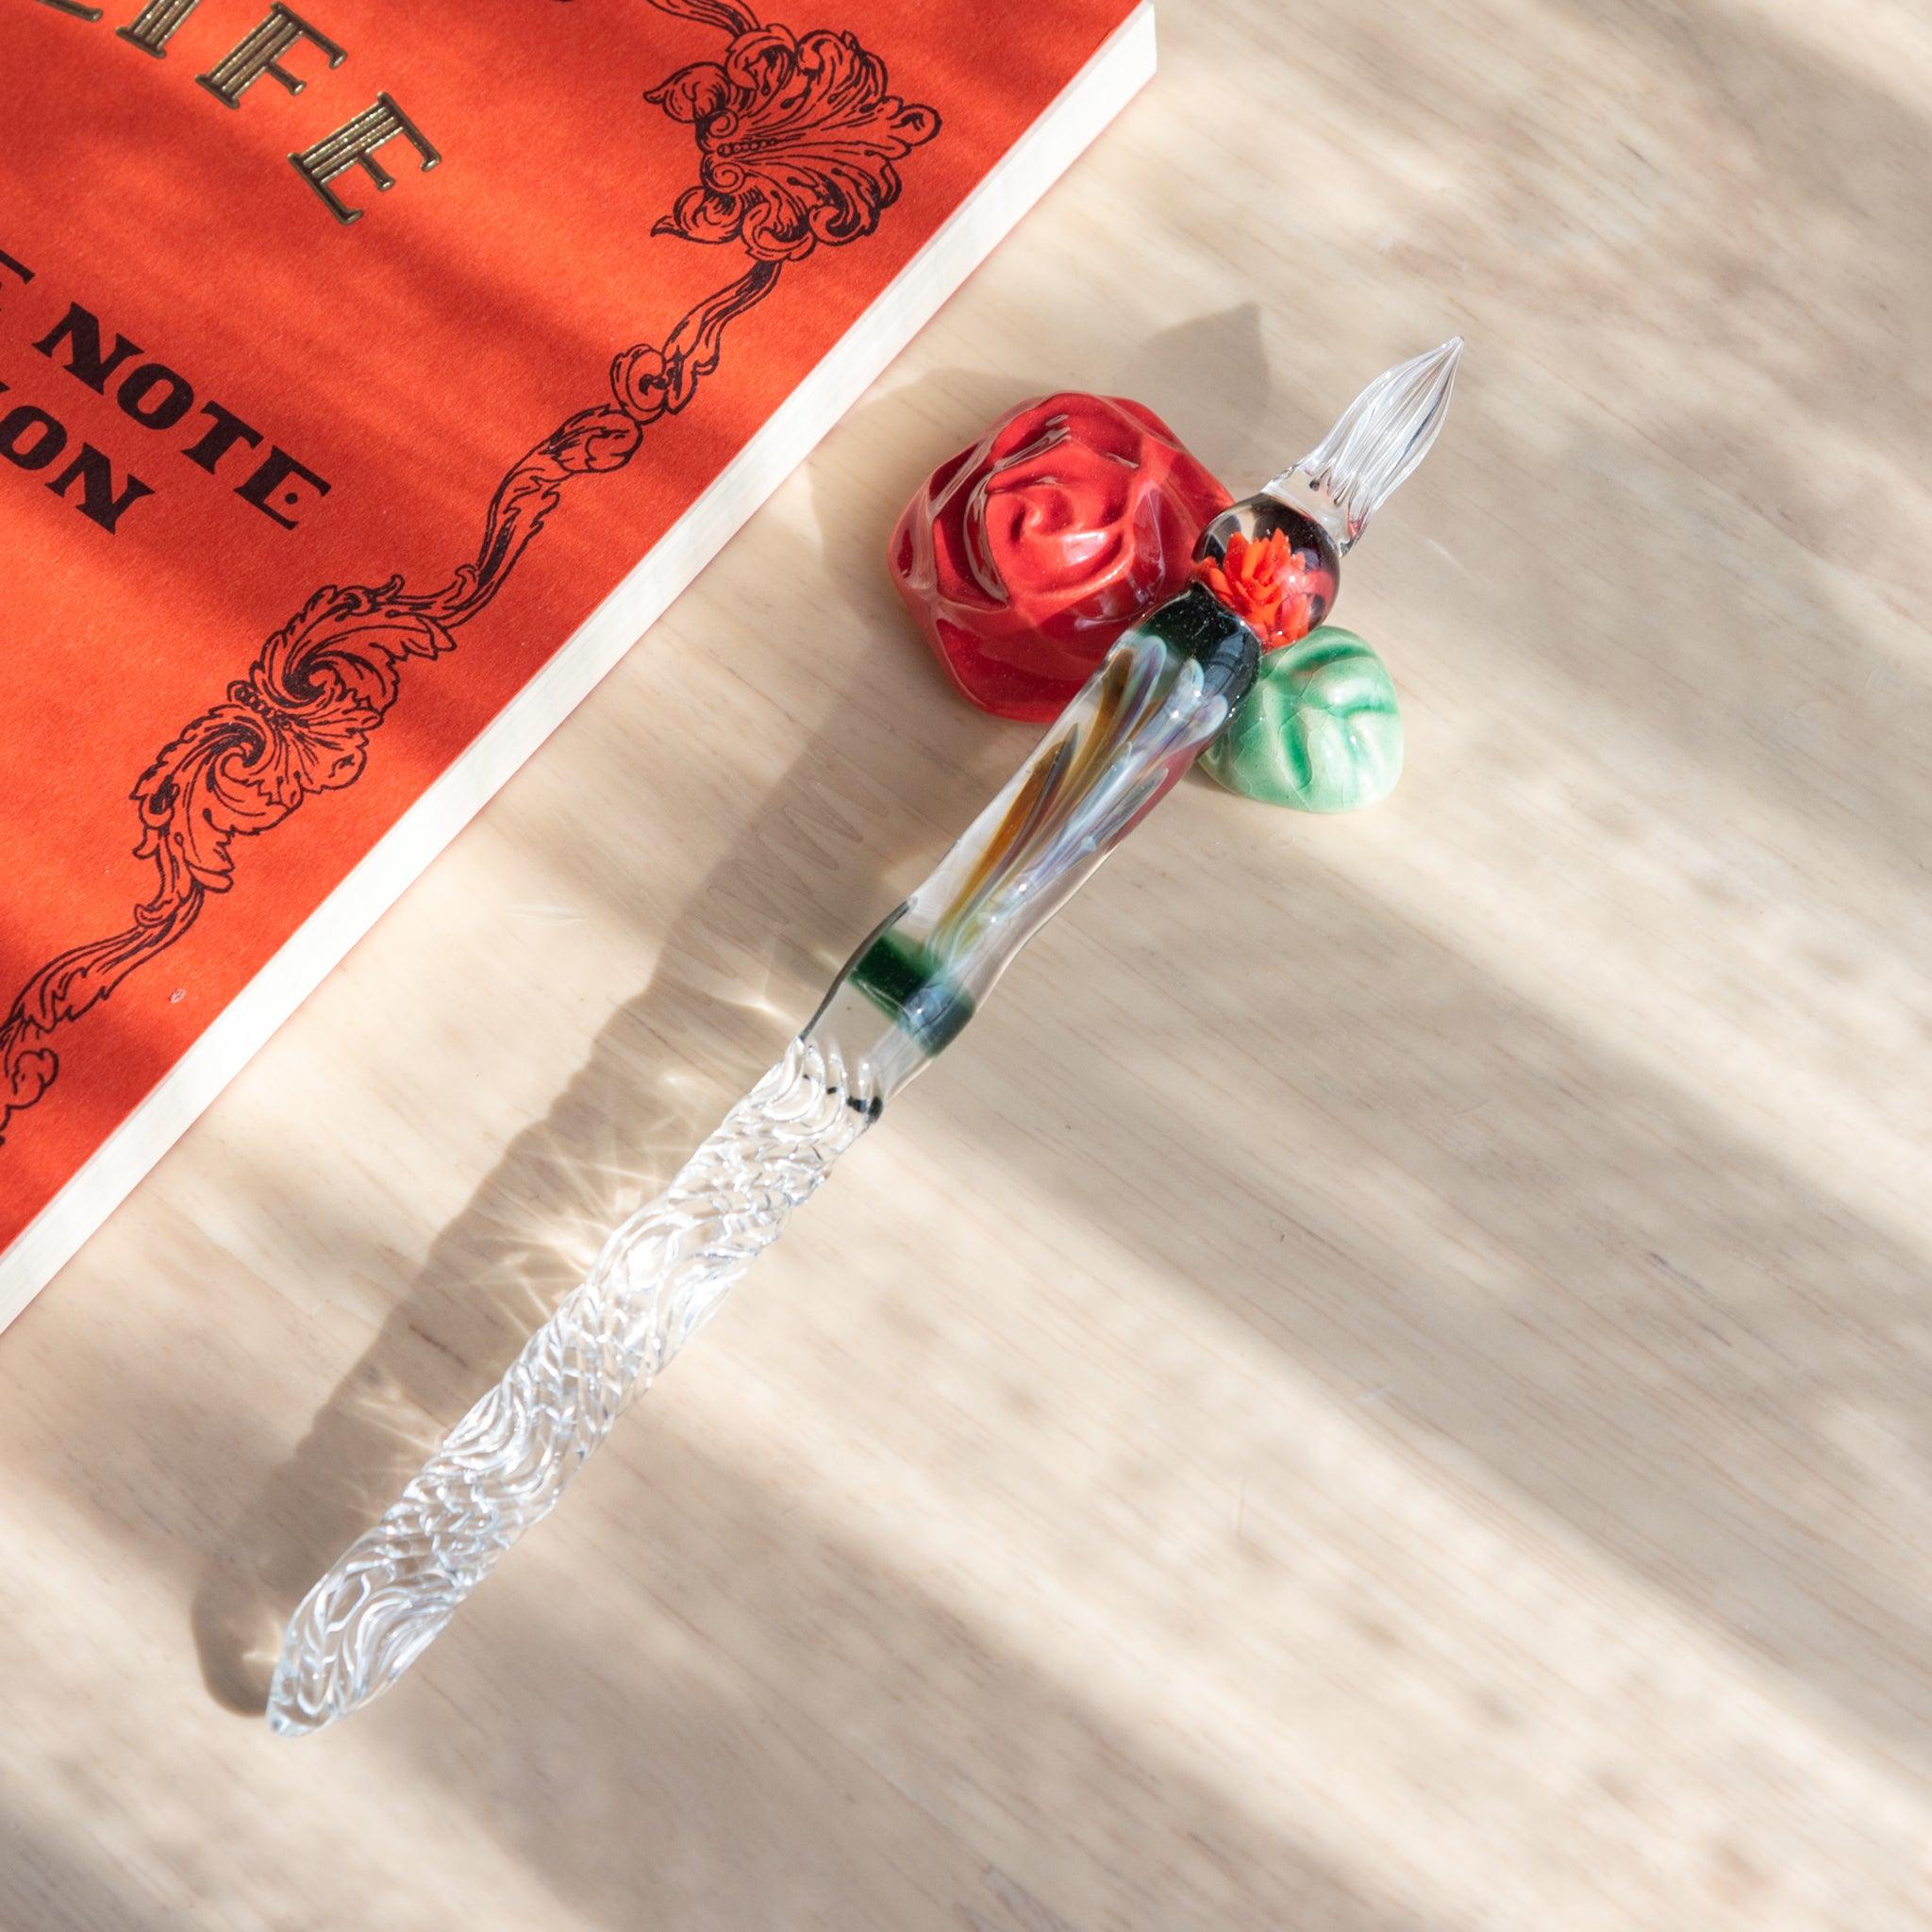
(798, 137)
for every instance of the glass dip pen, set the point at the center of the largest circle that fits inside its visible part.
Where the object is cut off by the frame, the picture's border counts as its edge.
(1165, 689)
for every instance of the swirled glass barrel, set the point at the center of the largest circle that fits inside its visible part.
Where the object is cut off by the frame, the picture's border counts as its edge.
(1162, 692)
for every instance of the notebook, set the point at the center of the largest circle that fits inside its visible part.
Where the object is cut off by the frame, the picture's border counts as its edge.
(370, 378)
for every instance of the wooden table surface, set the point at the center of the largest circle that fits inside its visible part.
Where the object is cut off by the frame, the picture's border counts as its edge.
(1387, 1388)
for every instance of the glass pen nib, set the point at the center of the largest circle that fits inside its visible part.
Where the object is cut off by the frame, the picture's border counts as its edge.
(1375, 446)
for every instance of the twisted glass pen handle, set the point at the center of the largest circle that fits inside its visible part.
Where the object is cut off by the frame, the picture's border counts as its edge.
(504, 1467)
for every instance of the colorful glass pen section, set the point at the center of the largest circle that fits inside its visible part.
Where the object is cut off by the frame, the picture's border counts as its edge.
(1163, 692)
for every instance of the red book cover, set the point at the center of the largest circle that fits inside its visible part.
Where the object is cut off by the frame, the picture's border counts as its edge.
(370, 377)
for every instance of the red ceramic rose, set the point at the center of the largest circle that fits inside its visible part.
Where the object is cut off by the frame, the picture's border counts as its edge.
(1024, 556)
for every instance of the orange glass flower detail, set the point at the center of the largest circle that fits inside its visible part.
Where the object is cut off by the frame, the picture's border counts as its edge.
(1271, 587)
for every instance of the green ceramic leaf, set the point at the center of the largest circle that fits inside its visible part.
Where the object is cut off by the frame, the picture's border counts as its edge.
(1318, 732)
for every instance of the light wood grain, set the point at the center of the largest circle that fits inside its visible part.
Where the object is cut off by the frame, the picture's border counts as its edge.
(1385, 1386)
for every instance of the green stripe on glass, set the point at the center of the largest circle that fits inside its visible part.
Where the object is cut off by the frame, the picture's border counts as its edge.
(909, 983)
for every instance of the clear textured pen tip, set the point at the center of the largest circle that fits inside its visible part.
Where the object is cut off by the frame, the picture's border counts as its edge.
(1378, 441)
